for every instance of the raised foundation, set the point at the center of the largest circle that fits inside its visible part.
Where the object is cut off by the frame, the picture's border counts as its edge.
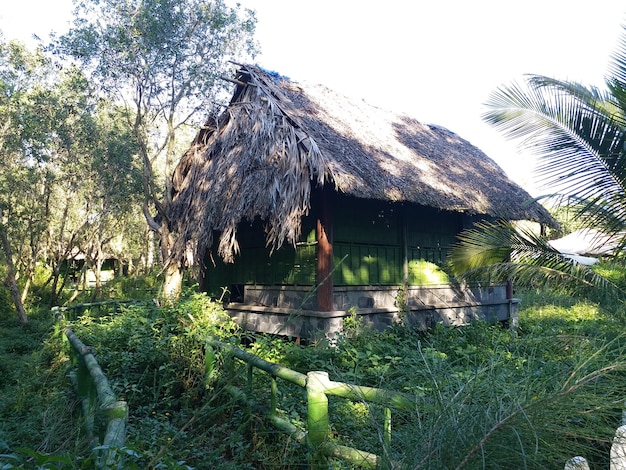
(291, 311)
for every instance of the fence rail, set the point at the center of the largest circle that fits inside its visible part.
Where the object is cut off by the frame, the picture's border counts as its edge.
(318, 387)
(98, 401)
(71, 312)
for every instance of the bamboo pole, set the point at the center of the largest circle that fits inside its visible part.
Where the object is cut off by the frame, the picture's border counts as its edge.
(274, 397)
(371, 394)
(318, 386)
(349, 454)
(115, 434)
(273, 369)
(317, 419)
(115, 412)
(101, 384)
(59, 311)
(386, 460)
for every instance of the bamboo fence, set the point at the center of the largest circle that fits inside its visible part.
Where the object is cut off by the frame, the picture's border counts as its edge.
(71, 312)
(105, 417)
(318, 388)
(98, 401)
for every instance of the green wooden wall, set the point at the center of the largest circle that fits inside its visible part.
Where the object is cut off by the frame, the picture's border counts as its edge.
(368, 243)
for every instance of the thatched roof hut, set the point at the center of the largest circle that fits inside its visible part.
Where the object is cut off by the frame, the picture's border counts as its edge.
(278, 140)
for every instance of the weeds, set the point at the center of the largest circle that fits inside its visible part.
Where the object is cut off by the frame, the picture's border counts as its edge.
(485, 396)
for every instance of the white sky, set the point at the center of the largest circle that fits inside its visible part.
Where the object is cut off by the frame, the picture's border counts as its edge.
(436, 60)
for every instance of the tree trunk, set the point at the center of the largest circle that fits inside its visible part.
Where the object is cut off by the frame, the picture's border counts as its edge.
(26, 288)
(149, 259)
(10, 281)
(173, 282)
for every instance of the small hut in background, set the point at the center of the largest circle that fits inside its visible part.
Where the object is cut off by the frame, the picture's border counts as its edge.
(307, 206)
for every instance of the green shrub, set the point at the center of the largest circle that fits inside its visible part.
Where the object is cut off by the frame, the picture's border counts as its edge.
(154, 358)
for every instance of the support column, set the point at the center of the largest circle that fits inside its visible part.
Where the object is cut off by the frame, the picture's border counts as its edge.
(404, 237)
(324, 235)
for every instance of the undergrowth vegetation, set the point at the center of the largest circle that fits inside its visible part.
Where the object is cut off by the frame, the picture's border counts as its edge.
(485, 396)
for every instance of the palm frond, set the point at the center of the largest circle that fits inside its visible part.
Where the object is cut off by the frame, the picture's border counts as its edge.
(581, 148)
(616, 81)
(497, 252)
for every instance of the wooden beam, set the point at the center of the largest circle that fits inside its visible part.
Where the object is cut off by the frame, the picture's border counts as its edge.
(404, 236)
(324, 235)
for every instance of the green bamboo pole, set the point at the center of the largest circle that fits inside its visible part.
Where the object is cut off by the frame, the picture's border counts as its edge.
(386, 457)
(117, 415)
(115, 434)
(101, 384)
(115, 412)
(317, 419)
(354, 456)
(288, 428)
(59, 312)
(274, 396)
(340, 389)
(371, 394)
(318, 386)
(78, 378)
(273, 369)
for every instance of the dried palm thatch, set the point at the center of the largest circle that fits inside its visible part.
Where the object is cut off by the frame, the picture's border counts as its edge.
(278, 139)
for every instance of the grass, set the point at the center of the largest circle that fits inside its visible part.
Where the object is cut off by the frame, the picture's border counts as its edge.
(486, 397)
(37, 408)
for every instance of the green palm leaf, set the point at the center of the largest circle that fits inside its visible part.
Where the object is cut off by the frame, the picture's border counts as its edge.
(581, 148)
(497, 252)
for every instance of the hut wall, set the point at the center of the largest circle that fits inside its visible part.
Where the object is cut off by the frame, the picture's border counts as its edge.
(369, 241)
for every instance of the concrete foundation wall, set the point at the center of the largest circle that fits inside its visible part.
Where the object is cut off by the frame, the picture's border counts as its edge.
(291, 311)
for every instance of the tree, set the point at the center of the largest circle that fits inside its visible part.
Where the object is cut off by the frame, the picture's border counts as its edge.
(161, 59)
(579, 134)
(67, 173)
(96, 179)
(21, 144)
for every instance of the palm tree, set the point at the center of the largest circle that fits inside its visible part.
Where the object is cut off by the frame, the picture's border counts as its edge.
(579, 135)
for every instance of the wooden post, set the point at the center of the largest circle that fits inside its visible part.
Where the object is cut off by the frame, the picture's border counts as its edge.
(317, 419)
(513, 317)
(405, 247)
(324, 235)
(509, 289)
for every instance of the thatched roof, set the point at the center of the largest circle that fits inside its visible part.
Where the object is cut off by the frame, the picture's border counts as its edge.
(278, 139)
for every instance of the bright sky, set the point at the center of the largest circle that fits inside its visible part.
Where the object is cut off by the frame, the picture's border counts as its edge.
(436, 60)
